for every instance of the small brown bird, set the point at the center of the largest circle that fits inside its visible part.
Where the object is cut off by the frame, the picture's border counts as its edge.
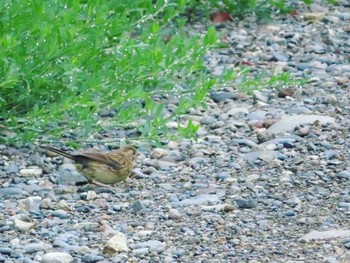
(105, 168)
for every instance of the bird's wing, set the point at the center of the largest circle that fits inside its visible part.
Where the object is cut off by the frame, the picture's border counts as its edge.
(97, 157)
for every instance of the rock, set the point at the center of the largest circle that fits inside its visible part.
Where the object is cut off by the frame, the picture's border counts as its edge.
(6, 250)
(92, 258)
(159, 153)
(91, 195)
(317, 16)
(12, 191)
(22, 225)
(343, 174)
(60, 214)
(290, 122)
(223, 176)
(197, 200)
(31, 204)
(175, 214)
(57, 257)
(64, 206)
(325, 235)
(251, 157)
(246, 203)
(152, 245)
(68, 175)
(207, 120)
(220, 96)
(118, 243)
(238, 111)
(161, 165)
(138, 206)
(34, 171)
(36, 247)
(12, 168)
(280, 56)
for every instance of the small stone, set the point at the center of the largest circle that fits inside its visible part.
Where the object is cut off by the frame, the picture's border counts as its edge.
(12, 168)
(137, 206)
(60, 214)
(68, 175)
(174, 214)
(246, 203)
(344, 174)
(290, 122)
(325, 235)
(344, 205)
(46, 203)
(11, 191)
(36, 247)
(161, 165)
(91, 195)
(264, 136)
(22, 225)
(252, 178)
(220, 96)
(64, 206)
(30, 204)
(5, 250)
(91, 258)
(159, 153)
(198, 200)
(118, 243)
(228, 208)
(303, 131)
(207, 120)
(57, 257)
(317, 16)
(223, 176)
(35, 171)
(289, 213)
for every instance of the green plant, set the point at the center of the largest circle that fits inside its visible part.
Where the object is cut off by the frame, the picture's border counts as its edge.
(76, 68)
(63, 62)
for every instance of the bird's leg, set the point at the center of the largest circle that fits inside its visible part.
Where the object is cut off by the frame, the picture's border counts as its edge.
(101, 184)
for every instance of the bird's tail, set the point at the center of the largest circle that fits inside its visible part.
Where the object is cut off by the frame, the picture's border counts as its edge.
(58, 151)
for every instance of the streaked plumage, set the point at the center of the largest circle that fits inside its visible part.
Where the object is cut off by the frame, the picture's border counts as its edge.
(106, 168)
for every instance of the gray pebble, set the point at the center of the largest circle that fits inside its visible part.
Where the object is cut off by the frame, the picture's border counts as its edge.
(60, 214)
(12, 168)
(220, 96)
(246, 203)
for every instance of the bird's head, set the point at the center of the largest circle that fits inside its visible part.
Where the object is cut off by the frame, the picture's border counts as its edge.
(130, 151)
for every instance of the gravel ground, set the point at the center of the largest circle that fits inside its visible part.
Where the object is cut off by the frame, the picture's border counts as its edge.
(267, 181)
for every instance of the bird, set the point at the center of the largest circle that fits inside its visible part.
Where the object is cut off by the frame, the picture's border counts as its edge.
(102, 168)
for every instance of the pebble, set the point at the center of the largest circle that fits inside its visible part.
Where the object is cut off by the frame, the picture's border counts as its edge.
(12, 168)
(197, 200)
(35, 247)
(68, 175)
(325, 235)
(221, 96)
(57, 257)
(60, 214)
(246, 203)
(22, 225)
(35, 171)
(118, 243)
(290, 122)
(12, 191)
